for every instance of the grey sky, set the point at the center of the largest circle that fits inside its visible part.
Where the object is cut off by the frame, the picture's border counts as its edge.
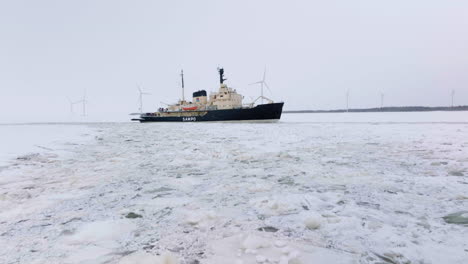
(415, 52)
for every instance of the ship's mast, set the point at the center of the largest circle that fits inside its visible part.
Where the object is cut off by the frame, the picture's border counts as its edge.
(221, 75)
(182, 76)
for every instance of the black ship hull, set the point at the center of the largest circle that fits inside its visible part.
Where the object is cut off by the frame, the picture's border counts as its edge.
(260, 112)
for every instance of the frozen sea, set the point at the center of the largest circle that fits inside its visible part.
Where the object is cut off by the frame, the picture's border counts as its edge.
(312, 188)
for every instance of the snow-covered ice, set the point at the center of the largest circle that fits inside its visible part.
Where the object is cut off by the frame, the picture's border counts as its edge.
(31, 139)
(318, 188)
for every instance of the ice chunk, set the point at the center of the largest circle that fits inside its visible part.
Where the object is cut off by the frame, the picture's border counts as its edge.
(254, 242)
(260, 259)
(133, 215)
(456, 173)
(313, 221)
(280, 244)
(200, 218)
(460, 218)
(141, 257)
(102, 232)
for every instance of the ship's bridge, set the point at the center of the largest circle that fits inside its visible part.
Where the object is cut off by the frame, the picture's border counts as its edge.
(226, 98)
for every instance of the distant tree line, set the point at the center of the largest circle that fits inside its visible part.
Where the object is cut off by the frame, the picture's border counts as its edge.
(388, 109)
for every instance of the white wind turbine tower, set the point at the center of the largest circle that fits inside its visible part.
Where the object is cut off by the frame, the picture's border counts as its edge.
(262, 82)
(381, 100)
(453, 94)
(140, 98)
(83, 102)
(71, 104)
(347, 100)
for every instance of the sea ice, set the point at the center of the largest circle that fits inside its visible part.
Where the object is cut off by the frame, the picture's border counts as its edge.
(141, 257)
(303, 190)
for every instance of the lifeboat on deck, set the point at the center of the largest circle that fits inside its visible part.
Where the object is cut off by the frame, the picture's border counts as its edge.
(190, 108)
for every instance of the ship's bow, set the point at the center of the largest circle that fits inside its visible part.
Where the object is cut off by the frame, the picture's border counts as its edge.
(269, 111)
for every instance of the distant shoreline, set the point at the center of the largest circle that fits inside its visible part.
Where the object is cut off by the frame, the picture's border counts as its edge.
(385, 109)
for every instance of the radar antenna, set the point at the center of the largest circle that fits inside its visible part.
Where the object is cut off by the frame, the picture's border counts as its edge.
(221, 75)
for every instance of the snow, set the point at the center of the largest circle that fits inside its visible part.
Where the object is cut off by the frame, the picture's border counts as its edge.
(142, 257)
(21, 139)
(258, 249)
(312, 188)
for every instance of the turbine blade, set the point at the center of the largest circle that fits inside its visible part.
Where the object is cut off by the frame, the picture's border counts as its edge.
(264, 74)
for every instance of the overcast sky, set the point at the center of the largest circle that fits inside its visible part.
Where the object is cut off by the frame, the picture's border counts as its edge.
(415, 52)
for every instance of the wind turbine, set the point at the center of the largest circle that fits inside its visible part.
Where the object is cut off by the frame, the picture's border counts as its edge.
(453, 94)
(71, 104)
(347, 100)
(140, 98)
(381, 100)
(83, 102)
(262, 82)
